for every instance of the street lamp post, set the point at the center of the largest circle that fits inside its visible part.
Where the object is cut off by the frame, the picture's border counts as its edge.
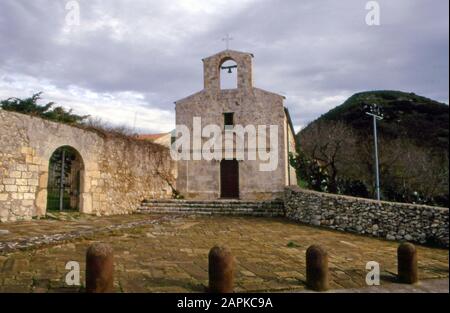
(375, 112)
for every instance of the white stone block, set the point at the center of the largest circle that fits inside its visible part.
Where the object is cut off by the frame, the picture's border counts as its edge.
(21, 167)
(23, 188)
(29, 196)
(21, 182)
(27, 174)
(33, 182)
(17, 196)
(9, 181)
(15, 174)
(11, 188)
(33, 168)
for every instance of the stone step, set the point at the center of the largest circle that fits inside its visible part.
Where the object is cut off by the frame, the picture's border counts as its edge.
(212, 202)
(224, 207)
(210, 211)
(212, 205)
(207, 209)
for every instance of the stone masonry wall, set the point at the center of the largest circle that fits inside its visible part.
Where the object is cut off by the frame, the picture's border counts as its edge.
(389, 220)
(118, 173)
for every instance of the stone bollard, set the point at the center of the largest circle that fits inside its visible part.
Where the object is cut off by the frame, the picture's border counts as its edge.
(317, 268)
(407, 263)
(99, 268)
(221, 270)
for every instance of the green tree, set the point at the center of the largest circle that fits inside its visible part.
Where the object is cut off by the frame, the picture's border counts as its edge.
(309, 173)
(31, 107)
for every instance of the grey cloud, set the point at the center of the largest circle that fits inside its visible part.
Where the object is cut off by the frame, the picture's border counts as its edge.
(308, 50)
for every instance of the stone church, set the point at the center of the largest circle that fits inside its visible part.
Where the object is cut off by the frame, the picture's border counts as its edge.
(232, 178)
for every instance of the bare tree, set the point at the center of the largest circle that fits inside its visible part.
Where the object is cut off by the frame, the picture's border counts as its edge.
(408, 173)
(390, 152)
(405, 169)
(332, 145)
(420, 172)
(102, 126)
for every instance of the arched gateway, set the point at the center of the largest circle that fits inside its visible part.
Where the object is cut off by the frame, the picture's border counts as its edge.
(65, 180)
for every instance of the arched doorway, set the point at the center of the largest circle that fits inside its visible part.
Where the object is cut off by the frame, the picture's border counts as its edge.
(65, 179)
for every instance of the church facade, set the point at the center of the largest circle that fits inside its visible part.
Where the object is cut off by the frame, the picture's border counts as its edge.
(231, 176)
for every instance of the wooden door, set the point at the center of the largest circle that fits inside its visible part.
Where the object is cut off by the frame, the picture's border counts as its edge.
(229, 179)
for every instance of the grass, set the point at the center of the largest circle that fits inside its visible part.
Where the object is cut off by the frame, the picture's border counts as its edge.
(292, 244)
(302, 183)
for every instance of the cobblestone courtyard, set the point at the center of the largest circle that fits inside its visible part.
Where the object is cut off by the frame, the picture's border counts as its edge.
(157, 253)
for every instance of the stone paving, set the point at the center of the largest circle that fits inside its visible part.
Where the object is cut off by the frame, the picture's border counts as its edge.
(27, 235)
(60, 223)
(170, 254)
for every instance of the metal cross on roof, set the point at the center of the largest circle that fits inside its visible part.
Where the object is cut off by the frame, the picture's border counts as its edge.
(227, 39)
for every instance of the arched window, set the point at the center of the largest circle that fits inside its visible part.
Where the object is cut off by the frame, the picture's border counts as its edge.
(228, 75)
(65, 174)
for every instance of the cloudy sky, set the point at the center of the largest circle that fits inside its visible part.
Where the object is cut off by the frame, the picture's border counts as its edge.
(128, 61)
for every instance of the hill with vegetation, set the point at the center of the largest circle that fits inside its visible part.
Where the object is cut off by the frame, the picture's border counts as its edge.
(406, 115)
(336, 150)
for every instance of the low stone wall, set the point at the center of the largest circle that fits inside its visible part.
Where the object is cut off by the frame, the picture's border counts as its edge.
(390, 220)
(117, 172)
